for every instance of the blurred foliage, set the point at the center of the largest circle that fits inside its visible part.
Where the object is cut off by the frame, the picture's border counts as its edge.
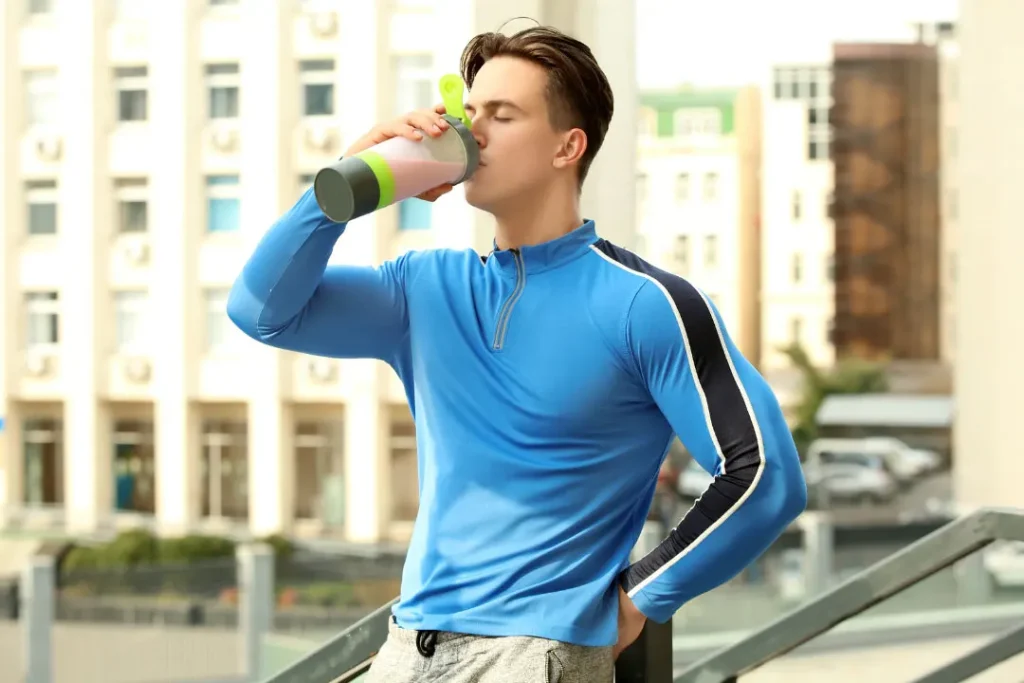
(138, 548)
(848, 376)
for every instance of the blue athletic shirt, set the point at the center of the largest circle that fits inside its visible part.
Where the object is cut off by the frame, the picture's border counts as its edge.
(547, 384)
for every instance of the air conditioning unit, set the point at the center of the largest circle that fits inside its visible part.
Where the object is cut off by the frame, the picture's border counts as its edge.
(38, 363)
(323, 24)
(225, 139)
(137, 369)
(136, 253)
(320, 137)
(48, 146)
(323, 370)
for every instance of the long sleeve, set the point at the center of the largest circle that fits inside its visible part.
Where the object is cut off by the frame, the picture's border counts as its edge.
(288, 297)
(728, 418)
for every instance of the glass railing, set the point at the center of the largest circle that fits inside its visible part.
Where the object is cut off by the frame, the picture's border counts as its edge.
(940, 588)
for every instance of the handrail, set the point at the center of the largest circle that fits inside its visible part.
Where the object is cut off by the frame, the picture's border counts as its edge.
(1009, 644)
(345, 656)
(914, 563)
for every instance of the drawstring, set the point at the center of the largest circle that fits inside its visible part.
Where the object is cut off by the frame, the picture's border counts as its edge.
(426, 642)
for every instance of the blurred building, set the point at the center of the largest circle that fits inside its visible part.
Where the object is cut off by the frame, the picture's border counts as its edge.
(698, 198)
(797, 232)
(885, 151)
(146, 147)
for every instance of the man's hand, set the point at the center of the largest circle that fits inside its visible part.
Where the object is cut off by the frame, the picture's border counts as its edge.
(631, 623)
(412, 126)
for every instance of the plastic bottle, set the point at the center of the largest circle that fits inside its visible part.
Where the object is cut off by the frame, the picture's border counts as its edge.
(400, 168)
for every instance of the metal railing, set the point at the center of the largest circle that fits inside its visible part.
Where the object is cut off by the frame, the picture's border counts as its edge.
(913, 564)
(349, 655)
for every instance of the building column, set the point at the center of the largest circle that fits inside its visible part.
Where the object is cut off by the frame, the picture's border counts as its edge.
(85, 214)
(175, 200)
(10, 127)
(363, 99)
(609, 193)
(987, 467)
(268, 116)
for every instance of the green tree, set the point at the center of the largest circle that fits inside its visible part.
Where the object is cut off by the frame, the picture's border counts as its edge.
(849, 376)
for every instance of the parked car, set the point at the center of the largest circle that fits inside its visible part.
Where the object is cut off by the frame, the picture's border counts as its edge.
(1005, 564)
(903, 463)
(912, 462)
(694, 480)
(850, 483)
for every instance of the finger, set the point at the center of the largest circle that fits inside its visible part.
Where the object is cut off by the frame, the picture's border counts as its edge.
(440, 109)
(407, 131)
(435, 194)
(430, 123)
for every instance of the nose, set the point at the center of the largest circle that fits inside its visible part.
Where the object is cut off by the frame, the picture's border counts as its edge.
(477, 126)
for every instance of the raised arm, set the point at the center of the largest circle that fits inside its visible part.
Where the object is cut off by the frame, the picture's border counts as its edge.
(288, 297)
(730, 421)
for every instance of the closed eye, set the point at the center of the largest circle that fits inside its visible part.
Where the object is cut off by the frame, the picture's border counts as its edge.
(502, 119)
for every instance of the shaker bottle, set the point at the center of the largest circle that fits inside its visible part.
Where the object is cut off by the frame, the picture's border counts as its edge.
(400, 168)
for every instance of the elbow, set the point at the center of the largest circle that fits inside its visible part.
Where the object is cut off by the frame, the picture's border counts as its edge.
(787, 486)
(243, 310)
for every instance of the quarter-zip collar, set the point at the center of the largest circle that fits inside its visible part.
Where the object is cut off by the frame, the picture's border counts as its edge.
(546, 255)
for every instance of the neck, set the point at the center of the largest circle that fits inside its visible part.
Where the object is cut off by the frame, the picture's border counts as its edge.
(540, 219)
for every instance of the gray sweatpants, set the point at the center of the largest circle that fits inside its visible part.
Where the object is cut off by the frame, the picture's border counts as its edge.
(459, 658)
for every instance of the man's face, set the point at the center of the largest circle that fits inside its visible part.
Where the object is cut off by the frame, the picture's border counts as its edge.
(509, 109)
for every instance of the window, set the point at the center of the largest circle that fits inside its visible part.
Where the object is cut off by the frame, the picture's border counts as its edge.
(710, 186)
(40, 6)
(43, 441)
(641, 187)
(225, 469)
(797, 205)
(42, 310)
(219, 330)
(317, 78)
(134, 466)
(711, 251)
(414, 83)
(132, 204)
(796, 329)
(223, 207)
(681, 253)
(414, 214)
(41, 203)
(130, 310)
(132, 83)
(404, 480)
(697, 122)
(222, 82)
(319, 471)
(305, 182)
(682, 187)
(41, 96)
(796, 268)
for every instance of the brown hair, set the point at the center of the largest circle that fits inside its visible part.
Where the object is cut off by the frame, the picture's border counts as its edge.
(578, 92)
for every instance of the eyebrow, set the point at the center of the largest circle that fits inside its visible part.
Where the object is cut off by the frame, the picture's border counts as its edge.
(495, 104)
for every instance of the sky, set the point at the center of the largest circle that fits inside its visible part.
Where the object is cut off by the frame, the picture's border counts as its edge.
(733, 42)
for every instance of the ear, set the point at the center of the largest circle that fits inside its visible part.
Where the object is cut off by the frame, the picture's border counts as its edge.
(574, 144)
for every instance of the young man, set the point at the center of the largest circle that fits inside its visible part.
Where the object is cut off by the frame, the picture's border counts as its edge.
(547, 380)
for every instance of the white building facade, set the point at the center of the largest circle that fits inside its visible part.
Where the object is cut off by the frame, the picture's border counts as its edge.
(697, 197)
(797, 238)
(141, 161)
